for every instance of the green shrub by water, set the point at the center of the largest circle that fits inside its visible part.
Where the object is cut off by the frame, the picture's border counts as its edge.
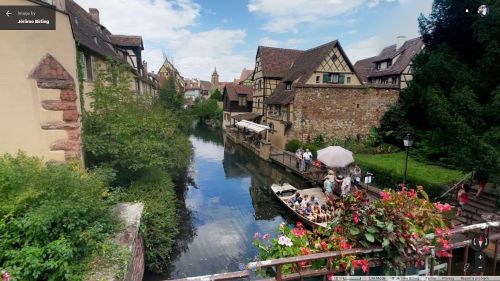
(52, 219)
(159, 224)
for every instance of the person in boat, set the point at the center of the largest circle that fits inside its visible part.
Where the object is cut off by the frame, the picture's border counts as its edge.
(304, 202)
(293, 199)
(313, 200)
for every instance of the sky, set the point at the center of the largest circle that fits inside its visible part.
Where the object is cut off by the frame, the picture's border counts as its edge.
(199, 35)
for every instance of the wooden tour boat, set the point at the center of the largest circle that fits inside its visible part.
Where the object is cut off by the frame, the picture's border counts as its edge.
(286, 191)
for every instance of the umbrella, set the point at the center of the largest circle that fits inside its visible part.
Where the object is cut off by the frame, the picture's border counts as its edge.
(335, 156)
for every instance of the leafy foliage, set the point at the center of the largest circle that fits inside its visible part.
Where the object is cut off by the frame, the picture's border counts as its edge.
(128, 132)
(452, 103)
(169, 97)
(405, 224)
(216, 95)
(52, 219)
(207, 110)
(159, 224)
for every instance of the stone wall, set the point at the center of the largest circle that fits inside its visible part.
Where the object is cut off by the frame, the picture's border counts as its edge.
(339, 112)
(130, 242)
(50, 75)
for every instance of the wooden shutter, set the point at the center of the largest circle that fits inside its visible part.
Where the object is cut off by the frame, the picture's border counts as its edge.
(326, 78)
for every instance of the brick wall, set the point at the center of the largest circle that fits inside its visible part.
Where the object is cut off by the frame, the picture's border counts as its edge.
(339, 112)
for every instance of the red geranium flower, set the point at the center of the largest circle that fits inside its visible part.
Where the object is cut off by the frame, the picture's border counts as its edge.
(385, 196)
(304, 251)
(364, 265)
(355, 217)
(344, 245)
(299, 224)
(298, 231)
(324, 246)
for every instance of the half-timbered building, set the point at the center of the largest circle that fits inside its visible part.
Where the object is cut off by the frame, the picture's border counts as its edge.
(392, 66)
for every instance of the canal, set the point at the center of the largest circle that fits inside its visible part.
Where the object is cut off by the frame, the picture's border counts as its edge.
(225, 200)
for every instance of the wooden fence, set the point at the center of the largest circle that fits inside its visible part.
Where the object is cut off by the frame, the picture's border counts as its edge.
(277, 264)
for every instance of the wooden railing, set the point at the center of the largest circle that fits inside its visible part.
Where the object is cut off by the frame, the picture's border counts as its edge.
(277, 264)
(289, 160)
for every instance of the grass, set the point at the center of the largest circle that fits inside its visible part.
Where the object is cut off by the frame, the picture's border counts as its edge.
(418, 171)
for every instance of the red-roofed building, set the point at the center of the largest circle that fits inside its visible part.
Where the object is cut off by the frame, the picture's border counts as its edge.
(236, 102)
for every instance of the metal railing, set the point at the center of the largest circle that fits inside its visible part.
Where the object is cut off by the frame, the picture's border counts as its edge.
(277, 264)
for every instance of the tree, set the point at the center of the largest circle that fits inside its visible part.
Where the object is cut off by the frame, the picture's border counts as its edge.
(130, 132)
(453, 101)
(169, 97)
(216, 95)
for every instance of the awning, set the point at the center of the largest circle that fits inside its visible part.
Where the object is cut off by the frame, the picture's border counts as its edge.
(246, 116)
(251, 126)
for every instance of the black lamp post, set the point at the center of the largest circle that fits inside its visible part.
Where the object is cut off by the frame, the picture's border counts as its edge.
(407, 142)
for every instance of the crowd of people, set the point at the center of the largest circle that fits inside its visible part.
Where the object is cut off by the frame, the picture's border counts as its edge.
(343, 184)
(310, 208)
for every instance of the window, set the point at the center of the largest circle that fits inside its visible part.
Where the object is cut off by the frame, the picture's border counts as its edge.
(384, 80)
(348, 80)
(88, 66)
(334, 57)
(288, 85)
(317, 79)
(394, 80)
(384, 65)
(242, 100)
(260, 84)
(334, 78)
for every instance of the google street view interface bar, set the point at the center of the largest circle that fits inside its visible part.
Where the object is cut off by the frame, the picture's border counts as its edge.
(27, 18)
(415, 278)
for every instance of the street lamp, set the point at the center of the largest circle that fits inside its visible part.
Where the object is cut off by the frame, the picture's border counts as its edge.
(407, 142)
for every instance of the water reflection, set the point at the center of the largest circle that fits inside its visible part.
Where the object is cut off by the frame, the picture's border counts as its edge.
(232, 201)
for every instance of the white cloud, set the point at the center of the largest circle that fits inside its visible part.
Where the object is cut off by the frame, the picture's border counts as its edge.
(291, 43)
(166, 24)
(407, 25)
(285, 15)
(268, 42)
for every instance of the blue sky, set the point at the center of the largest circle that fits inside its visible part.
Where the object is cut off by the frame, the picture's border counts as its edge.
(199, 35)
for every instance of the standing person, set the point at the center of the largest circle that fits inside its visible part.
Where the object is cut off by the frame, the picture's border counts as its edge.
(327, 186)
(302, 165)
(346, 186)
(463, 199)
(297, 156)
(307, 159)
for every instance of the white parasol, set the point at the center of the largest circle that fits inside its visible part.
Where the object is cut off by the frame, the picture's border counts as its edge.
(335, 156)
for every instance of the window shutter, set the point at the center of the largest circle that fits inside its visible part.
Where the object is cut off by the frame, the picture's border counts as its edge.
(341, 78)
(326, 78)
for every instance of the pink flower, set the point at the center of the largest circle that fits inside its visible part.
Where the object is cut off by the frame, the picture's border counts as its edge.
(298, 231)
(385, 196)
(355, 218)
(299, 224)
(330, 277)
(355, 264)
(438, 232)
(427, 249)
(304, 251)
(344, 245)
(5, 276)
(364, 265)
(266, 236)
(412, 193)
(256, 236)
(324, 246)
(443, 254)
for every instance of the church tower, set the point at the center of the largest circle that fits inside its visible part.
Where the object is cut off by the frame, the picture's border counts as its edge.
(215, 79)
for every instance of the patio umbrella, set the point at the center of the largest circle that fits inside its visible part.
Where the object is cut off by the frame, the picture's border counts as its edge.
(335, 156)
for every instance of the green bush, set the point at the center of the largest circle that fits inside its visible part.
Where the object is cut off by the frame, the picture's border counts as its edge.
(159, 224)
(388, 172)
(52, 219)
(293, 145)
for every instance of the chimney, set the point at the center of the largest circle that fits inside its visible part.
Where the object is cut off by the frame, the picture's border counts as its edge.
(145, 69)
(94, 13)
(400, 41)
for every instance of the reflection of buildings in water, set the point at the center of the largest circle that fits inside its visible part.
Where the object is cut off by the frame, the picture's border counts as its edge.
(213, 135)
(239, 162)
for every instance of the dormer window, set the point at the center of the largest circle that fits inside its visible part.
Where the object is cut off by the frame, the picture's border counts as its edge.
(384, 64)
(288, 85)
(76, 20)
(95, 39)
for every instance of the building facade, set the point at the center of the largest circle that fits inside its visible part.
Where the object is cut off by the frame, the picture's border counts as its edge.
(236, 100)
(315, 92)
(392, 66)
(40, 101)
(168, 70)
